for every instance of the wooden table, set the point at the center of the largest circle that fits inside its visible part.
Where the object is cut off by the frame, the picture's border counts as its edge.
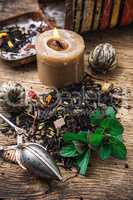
(106, 180)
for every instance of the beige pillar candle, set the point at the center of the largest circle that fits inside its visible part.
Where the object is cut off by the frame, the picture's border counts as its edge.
(60, 57)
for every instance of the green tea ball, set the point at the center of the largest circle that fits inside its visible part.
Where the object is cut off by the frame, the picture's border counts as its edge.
(12, 97)
(103, 58)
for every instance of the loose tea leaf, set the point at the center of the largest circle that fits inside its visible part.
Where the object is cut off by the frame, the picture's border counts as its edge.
(64, 122)
(18, 39)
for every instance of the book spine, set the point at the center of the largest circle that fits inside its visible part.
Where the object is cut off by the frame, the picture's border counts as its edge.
(127, 16)
(115, 14)
(86, 15)
(97, 14)
(105, 17)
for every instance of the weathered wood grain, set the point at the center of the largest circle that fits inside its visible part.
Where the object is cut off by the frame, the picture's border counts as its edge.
(106, 180)
(12, 8)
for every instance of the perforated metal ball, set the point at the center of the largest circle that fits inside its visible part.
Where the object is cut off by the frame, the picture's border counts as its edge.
(103, 58)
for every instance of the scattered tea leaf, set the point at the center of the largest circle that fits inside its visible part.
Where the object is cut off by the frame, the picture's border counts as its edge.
(41, 126)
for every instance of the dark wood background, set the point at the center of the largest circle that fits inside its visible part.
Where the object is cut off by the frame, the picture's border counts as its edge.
(106, 180)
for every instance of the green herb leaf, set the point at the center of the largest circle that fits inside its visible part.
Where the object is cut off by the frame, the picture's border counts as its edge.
(114, 127)
(83, 163)
(80, 147)
(119, 137)
(110, 112)
(105, 151)
(69, 151)
(118, 150)
(99, 131)
(106, 123)
(96, 117)
(95, 139)
(69, 137)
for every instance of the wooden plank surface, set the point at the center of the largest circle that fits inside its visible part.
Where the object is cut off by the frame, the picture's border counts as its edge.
(106, 180)
(12, 8)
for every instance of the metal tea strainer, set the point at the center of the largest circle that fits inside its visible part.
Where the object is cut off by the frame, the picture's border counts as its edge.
(31, 156)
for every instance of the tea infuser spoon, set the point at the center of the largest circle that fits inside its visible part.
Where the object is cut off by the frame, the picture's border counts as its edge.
(18, 130)
(32, 156)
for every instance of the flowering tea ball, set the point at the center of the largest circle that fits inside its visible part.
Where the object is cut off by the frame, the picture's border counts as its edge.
(12, 97)
(103, 58)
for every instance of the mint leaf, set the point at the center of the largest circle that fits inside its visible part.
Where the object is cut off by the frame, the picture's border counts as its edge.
(99, 131)
(80, 147)
(83, 163)
(106, 123)
(96, 117)
(116, 128)
(69, 137)
(95, 139)
(110, 112)
(119, 137)
(105, 151)
(69, 151)
(119, 150)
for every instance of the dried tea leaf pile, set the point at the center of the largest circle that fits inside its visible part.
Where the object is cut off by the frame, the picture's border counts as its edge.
(18, 40)
(48, 116)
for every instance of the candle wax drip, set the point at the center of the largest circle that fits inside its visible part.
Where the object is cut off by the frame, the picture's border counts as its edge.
(58, 45)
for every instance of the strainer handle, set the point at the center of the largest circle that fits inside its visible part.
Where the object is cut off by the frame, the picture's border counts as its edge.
(8, 121)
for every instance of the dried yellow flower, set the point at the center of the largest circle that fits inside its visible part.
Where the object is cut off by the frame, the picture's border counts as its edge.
(3, 35)
(10, 44)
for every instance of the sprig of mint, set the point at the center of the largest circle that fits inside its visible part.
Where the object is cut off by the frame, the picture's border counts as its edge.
(78, 149)
(106, 140)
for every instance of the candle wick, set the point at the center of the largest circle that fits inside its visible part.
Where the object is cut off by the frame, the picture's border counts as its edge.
(58, 45)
